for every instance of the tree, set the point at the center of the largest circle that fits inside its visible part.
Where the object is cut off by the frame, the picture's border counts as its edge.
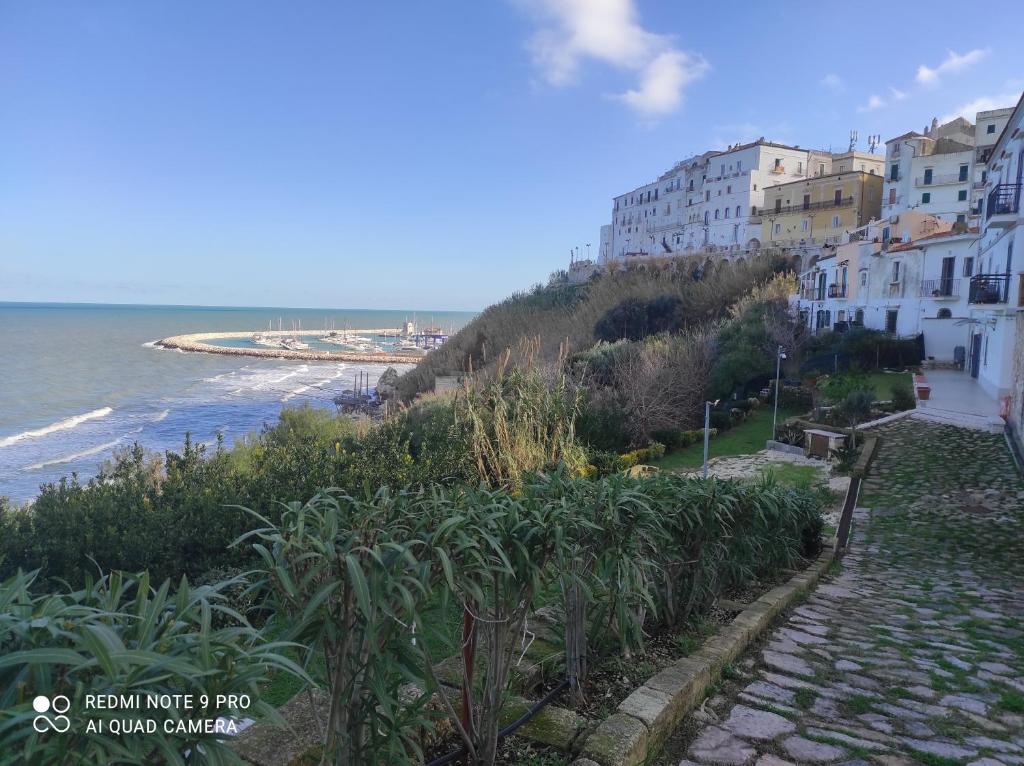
(855, 409)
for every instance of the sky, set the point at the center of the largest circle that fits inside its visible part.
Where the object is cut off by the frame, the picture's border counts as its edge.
(417, 155)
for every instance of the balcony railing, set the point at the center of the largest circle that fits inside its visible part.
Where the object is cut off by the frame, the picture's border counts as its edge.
(945, 287)
(939, 179)
(989, 288)
(824, 205)
(1002, 200)
(837, 291)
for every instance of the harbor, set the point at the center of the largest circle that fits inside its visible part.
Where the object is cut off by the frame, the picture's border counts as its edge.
(404, 345)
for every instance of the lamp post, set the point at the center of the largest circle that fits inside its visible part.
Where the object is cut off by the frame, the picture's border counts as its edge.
(707, 431)
(778, 370)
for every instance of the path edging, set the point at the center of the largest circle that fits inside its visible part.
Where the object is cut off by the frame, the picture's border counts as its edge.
(645, 719)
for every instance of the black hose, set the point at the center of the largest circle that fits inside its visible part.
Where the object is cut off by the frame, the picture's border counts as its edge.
(548, 698)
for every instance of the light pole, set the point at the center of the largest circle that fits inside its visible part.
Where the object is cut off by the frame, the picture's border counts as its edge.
(707, 431)
(778, 370)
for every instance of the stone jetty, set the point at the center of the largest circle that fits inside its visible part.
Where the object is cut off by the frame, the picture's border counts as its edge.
(199, 342)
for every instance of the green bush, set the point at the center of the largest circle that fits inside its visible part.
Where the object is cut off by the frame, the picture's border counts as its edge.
(120, 635)
(721, 420)
(903, 396)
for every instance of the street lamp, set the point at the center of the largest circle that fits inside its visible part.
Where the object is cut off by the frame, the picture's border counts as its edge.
(778, 369)
(707, 431)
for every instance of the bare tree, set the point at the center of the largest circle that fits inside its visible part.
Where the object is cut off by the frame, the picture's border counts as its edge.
(662, 383)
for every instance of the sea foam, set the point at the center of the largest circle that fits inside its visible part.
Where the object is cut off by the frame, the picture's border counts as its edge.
(60, 425)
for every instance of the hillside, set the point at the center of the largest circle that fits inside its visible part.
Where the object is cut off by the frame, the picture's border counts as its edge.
(664, 294)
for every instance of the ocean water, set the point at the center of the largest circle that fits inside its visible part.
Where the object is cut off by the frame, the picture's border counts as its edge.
(77, 381)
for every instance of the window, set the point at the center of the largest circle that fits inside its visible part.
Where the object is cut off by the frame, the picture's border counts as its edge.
(895, 271)
(963, 173)
(723, 170)
(753, 209)
(885, 234)
(926, 198)
(778, 163)
(778, 228)
(737, 211)
(716, 213)
(892, 195)
(962, 195)
(821, 169)
(837, 199)
(835, 222)
(800, 168)
(778, 205)
(728, 190)
(990, 129)
(890, 320)
(894, 172)
(707, 196)
(927, 176)
(803, 225)
(968, 267)
(961, 218)
(863, 279)
(727, 211)
(739, 165)
(944, 314)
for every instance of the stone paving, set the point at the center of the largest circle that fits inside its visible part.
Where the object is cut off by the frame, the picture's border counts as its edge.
(914, 651)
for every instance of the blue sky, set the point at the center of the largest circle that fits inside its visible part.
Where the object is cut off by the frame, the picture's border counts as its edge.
(418, 155)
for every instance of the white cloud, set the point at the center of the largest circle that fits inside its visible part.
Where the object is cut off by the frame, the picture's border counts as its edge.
(897, 94)
(607, 30)
(954, 62)
(981, 104)
(833, 82)
(874, 102)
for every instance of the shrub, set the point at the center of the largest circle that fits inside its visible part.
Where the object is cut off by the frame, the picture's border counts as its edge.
(903, 396)
(118, 634)
(641, 456)
(791, 397)
(722, 421)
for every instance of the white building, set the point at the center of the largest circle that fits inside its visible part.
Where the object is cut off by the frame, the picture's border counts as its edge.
(997, 292)
(941, 171)
(708, 202)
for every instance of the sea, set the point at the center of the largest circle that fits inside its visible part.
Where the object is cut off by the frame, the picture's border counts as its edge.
(80, 381)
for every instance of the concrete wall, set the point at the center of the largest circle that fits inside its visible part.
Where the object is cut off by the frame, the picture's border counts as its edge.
(941, 336)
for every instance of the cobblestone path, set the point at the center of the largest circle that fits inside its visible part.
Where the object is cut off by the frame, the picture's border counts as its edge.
(914, 651)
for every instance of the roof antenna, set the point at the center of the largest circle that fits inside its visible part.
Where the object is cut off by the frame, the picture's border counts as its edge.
(853, 140)
(873, 142)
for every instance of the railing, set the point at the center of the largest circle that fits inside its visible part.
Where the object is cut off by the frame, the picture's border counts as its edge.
(1002, 200)
(945, 287)
(837, 291)
(989, 288)
(940, 179)
(824, 205)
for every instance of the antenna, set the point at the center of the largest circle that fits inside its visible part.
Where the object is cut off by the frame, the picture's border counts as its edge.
(853, 140)
(874, 141)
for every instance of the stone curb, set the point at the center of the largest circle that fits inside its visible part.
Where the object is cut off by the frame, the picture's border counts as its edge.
(645, 719)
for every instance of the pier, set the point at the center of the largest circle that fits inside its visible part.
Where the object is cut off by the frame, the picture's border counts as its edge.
(198, 342)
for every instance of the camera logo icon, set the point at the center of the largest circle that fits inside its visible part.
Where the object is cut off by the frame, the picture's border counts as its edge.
(59, 705)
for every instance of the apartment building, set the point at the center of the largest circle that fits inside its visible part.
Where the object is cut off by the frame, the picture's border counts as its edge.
(997, 290)
(711, 201)
(821, 209)
(941, 171)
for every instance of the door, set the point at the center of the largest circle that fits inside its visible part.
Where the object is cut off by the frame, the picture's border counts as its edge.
(975, 355)
(946, 284)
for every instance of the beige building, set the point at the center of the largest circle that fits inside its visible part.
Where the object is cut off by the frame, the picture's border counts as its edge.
(821, 209)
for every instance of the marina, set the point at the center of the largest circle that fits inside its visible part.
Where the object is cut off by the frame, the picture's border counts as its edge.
(405, 345)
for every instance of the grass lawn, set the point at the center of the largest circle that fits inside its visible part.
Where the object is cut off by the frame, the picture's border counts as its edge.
(882, 382)
(745, 439)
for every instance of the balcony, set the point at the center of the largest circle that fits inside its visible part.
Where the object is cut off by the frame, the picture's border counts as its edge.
(944, 288)
(978, 185)
(837, 291)
(810, 206)
(940, 179)
(1003, 205)
(989, 289)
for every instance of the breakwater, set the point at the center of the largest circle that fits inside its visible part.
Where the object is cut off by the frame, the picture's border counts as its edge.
(198, 342)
